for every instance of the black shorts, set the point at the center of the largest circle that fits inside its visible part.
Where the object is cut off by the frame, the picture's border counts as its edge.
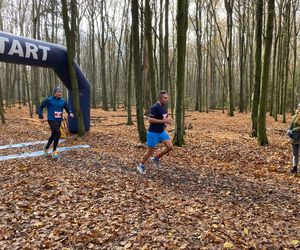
(54, 126)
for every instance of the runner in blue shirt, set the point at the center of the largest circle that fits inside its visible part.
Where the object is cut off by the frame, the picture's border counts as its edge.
(158, 119)
(55, 106)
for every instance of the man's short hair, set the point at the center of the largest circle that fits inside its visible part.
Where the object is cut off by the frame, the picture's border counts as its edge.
(162, 92)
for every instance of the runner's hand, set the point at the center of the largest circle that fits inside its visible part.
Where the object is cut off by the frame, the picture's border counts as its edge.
(168, 120)
(42, 120)
(71, 115)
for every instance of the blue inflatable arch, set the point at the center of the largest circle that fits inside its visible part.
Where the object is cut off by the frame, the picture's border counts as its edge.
(21, 50)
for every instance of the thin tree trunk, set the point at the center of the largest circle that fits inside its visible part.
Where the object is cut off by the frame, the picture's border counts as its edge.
(278, 65)
(166, 47)
(8, 85)
(161, 48)
(1, 106)
(198, 29)
(19, 86)
(251, 66)
(103, 68)
(137, 71)
(119, 56)
(28, 92)
(242, 55)
(182, 23)
(70, 39)
(294, 57)
(93, 55)
(129, 85)
(148, 37)
(273, 72)
(287, 54)
(36, 76)
(258, 48)
(229, 10)
(13, 84)
(262, 134)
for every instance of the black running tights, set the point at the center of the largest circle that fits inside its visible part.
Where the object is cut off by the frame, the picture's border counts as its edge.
(55, 135)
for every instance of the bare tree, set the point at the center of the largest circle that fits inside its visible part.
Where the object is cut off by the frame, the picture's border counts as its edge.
(262, 135)
(229, 10)
(182, 23)
(1, 106)
(137, 70)
(258, 48)
(70, 38)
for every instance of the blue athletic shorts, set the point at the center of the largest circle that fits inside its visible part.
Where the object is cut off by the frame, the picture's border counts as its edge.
(154, 138)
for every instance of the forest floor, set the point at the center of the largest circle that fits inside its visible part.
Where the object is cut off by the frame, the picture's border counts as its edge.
(219, 191)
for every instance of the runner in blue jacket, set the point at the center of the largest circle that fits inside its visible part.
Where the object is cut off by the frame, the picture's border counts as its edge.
(55, 106)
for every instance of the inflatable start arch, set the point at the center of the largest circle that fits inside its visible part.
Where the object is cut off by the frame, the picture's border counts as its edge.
(21, 50)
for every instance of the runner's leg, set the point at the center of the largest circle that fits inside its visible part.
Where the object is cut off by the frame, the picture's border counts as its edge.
(57, 134)
(147, 155)
(169, 147)
(52, 137)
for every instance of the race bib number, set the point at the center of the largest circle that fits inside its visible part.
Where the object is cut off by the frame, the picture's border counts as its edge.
(57, 114)
(165, 116)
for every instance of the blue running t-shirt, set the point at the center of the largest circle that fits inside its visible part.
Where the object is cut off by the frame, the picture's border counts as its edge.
(157, 112)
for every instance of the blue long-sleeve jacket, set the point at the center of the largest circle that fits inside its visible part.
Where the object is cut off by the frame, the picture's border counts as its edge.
(55, 107)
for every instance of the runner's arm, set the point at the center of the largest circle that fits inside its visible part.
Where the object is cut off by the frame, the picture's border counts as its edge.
(41, 107)
(156, 121)
(67, 108)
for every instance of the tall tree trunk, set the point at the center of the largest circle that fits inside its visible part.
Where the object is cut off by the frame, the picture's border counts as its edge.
(1, 18)
(198, 29)
(116, 79)
(148, 37)
(242, 55)
(8, 85)
(278, 64)
(251, 59)
(182, 23)
(273, 72)
(36, 76)
(287, 54)
(161, 48)
(103, 68)
(295, 33)
(258, 48)
(28, 92)
(166, 47)
(137, 71)
(13, 84)
(129, 85)
(93, 55)
(24, 86)
(206, 66)
(70, 39)
(19, 86)
(1, 106)
(229, 10)
(262, 135)
(119, 56)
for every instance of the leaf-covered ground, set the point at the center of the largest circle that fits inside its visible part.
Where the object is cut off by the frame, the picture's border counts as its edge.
(218, 191)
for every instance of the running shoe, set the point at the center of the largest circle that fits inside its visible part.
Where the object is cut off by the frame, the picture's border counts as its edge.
(156, 161)
(46, 151)
(141, 168)
(55, 154)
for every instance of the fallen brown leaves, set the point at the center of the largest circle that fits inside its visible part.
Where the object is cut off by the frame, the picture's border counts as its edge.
(219, 191)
